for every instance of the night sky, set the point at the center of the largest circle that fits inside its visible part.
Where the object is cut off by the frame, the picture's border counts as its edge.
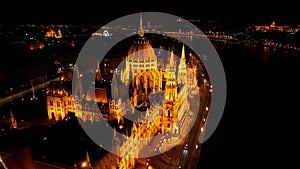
(101, 12)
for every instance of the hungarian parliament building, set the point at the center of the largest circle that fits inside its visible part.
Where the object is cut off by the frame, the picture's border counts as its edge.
(130, 90)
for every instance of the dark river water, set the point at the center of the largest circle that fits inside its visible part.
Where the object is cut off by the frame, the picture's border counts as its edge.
(259, 119)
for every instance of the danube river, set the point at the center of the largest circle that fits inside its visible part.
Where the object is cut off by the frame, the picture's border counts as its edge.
(260, 110)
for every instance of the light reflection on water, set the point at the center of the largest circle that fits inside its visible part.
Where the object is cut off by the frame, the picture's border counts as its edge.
(260, 54)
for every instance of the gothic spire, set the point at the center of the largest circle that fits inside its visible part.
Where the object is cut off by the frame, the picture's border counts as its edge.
(13, 121)
(172, 61)
(141, 31)
(88, 158)
(183, 54)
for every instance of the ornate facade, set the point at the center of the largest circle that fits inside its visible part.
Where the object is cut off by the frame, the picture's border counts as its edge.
(59, 98)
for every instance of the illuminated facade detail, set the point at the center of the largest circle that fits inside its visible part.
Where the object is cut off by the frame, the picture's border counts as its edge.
(51, 33)
(192, 72)
(114, 110)
(144, 83)
(59, 100)
(59, 103)
(35, 45)
(171, 100)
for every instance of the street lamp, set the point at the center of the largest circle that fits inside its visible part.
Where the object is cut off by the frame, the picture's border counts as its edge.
(11, 89)
(85, 165)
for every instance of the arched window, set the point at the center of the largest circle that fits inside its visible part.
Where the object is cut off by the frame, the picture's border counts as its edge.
(58, 103)
(52, 116)
(59, 116)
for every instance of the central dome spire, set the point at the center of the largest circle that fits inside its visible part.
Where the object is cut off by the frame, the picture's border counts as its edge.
(141, 31)
(140, 56)
(141, 51)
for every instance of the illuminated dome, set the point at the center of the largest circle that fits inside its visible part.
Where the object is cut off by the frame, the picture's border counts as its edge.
(141, 52)
(140, 57)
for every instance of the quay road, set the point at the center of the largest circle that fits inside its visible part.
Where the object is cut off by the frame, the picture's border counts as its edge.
(181, 156)
(24, 92)
(190, 154)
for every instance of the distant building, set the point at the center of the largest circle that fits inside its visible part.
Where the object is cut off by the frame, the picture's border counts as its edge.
(273, 27)
(35, 45)
(51, 33)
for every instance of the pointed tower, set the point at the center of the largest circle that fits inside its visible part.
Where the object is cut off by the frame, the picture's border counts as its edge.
(88, 162)
(171, 67)
(141, 30)
(78, 93)
(114, 87)
(171, 96)
(78, 86)
(13, 121)
(33, 93)
(98, 72)
(116, 142)
(182, 73)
